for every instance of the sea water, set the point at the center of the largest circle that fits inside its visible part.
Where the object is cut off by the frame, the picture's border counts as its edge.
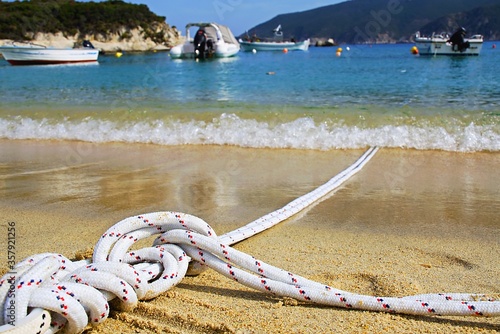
(369, 95)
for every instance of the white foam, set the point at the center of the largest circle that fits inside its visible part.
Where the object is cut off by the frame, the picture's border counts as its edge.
(229, 129)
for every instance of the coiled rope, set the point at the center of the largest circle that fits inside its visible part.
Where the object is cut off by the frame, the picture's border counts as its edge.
(50, 292)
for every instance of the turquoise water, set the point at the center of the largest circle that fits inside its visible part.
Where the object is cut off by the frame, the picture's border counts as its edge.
(371, 95)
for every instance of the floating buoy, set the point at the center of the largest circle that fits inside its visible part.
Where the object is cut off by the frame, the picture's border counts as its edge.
(254, 51)
(338, 54)
(414, 50)
(118, 54)
(285, 50)
(271, 73)
(494, 46)
(340, 50)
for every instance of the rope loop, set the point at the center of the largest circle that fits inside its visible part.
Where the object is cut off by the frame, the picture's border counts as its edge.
(77, 293)
(35, 287)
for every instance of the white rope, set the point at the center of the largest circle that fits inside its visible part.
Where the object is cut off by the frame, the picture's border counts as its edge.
(292, 208)
(50, 292)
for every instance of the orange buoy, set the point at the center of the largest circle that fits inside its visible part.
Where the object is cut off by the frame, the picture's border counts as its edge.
(285, 50)
(414, 50)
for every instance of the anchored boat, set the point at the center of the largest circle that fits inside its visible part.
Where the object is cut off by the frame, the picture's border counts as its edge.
(19, 53)
(211, 40)
(276, 44)
(443, 44)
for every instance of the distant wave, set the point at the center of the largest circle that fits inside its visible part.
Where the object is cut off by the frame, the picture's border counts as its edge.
(229, 129)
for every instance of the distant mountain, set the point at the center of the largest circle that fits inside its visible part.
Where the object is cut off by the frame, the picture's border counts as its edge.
(483, 20)
(386, 21)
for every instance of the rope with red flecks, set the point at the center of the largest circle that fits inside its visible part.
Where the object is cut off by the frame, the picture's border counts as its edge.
(50, 292)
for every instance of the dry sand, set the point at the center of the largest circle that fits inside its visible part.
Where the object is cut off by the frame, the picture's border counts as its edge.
(410, 222)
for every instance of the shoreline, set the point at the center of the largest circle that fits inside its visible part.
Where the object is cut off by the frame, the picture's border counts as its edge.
(409, 222)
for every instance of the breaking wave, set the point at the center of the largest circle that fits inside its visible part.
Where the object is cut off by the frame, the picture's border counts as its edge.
(229, 129)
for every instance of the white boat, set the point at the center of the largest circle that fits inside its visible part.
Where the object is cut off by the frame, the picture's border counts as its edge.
(442, 44)
(276, 44)
(211, 40)
(32, 54)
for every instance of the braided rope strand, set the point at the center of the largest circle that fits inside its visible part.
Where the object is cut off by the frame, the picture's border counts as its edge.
(271, 219)
(267, 278)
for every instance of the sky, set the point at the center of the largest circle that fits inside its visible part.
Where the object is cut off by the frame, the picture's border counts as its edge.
(238, 15)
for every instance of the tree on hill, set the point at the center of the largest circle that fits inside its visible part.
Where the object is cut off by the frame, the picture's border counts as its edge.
(21, 20)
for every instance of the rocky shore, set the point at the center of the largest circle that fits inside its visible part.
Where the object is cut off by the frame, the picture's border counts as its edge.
(131, 40)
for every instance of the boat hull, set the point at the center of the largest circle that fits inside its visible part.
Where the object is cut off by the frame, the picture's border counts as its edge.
(186, 51)
(274, 46)
(44, 56)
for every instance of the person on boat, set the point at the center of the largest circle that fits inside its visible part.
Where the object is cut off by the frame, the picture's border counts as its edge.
(255, 38)
(200, 41)
(87, 44)
(210, 47)
(458, 42)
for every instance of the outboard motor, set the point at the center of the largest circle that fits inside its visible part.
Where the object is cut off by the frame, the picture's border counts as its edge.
(457, 40)
(87, 44)
(200, 41)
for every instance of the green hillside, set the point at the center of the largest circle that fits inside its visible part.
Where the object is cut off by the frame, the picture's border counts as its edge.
(363, 21)
(483, 20)
(20, 20)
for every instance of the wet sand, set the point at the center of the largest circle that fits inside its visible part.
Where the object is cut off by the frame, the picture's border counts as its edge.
(410, 222)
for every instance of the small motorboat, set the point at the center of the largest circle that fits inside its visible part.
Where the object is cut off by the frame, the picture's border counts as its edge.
(211, 40)
(443, 44)
(22, 53)
(275, 44)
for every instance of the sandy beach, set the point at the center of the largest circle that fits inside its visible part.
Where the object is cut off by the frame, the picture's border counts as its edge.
(411, 222)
